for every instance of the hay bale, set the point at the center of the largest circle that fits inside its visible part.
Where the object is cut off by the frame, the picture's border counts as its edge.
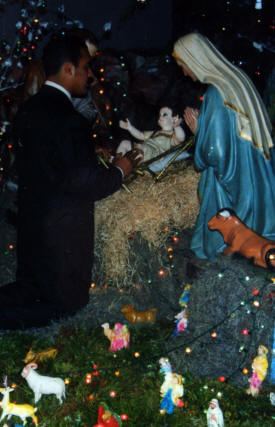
(150, 207)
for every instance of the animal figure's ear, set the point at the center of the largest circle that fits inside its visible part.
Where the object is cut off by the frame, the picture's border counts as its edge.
(5, 381)
(32, 365)
(225, 212)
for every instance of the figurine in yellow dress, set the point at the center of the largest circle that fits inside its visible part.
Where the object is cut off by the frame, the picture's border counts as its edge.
(259, 370)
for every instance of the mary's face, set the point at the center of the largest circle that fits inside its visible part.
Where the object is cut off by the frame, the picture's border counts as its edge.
(186, 70)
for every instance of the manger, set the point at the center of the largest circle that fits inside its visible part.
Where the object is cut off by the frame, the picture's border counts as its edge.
(143, 213)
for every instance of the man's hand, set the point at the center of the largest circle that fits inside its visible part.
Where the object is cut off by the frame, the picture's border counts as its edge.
(129, 161)
(104, 152)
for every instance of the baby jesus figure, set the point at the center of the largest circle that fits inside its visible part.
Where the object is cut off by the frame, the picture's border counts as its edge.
(154, 142)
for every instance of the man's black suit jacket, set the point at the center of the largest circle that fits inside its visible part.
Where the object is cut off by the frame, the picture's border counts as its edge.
(59, 180)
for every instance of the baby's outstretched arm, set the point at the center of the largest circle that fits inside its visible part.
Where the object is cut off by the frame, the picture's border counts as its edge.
(179, 134)
(133, 131)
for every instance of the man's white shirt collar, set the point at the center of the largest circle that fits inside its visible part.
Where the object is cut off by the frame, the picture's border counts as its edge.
(59, 87)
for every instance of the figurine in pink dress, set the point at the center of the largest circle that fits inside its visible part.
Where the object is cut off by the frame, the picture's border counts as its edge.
(119, 336)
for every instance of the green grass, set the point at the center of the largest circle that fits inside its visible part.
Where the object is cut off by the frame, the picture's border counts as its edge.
(137, 386)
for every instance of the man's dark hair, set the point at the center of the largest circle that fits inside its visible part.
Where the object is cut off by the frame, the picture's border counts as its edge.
(59, 50)
(83, 34)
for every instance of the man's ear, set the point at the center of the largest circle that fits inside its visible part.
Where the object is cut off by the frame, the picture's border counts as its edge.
(69, 69)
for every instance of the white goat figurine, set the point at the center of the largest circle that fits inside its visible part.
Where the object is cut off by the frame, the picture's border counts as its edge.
(21, 411)
(41, 384)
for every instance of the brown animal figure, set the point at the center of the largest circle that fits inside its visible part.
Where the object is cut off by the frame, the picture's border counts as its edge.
(132, 315)
(40, 356)
(240, 238)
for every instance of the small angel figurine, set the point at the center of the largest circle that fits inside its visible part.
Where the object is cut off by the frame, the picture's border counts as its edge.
(214, 414)
(259, 370)
(182, 316)
(171, 389)
(181, 322)
(119, 336)
(184, 298)
(154, 142)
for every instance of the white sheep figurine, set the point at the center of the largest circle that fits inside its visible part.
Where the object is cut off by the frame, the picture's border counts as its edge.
(41, 384)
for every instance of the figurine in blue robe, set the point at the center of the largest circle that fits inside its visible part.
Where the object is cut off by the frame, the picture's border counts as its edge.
(234, 149)
(172, 388)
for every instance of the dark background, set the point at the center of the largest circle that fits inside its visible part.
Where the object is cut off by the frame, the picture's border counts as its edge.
(134, 25)
(244, 34)
(155, 23)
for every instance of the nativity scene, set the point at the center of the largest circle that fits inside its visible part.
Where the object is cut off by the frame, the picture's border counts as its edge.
(133, 182)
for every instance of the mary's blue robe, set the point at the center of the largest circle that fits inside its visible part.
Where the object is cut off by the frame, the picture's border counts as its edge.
(234, 175)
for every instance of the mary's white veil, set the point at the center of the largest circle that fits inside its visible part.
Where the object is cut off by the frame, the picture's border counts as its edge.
(236, 88)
